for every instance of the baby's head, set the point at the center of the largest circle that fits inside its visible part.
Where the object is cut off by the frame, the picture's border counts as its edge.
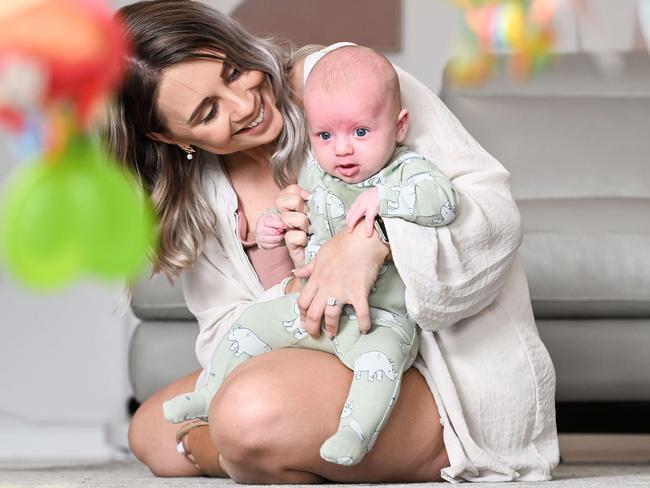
(354, 112)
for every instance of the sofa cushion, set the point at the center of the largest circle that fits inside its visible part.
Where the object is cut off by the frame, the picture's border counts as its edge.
(157, 299)
(576, 146)
(587, 257)
(599, 359)
(160, 353)
(570, 133)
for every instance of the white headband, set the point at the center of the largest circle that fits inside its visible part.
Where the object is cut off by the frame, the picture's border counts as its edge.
(313, 58)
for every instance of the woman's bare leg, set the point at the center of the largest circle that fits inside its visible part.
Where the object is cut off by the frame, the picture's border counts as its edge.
(272, 414)
(153, 440)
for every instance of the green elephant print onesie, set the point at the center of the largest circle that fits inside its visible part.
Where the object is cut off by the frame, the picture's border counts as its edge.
(411, 188)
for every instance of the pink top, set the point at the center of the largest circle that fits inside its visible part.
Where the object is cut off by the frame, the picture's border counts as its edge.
(272, 265)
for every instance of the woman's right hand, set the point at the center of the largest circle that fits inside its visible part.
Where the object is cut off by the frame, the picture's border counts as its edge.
(291, 204)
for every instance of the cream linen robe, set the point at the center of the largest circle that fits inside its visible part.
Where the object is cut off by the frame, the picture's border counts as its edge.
(480, 353)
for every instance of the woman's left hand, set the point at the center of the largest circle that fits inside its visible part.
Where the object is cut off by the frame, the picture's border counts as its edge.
(345, 268)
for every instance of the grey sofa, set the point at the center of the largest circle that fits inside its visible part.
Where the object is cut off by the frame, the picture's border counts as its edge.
(577, 145)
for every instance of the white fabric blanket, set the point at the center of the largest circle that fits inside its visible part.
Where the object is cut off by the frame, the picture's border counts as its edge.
(481, 355)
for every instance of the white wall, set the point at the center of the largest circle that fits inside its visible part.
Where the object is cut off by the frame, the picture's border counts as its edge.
(62, 364)
(63, 356)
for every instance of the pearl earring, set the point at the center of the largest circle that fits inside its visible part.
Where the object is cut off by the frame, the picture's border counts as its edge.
(189, 150)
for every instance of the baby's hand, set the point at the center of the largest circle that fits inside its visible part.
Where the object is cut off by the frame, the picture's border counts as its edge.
(270, 230)
(366, 204)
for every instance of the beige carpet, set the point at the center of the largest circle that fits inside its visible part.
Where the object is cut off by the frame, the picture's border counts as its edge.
(132, 474)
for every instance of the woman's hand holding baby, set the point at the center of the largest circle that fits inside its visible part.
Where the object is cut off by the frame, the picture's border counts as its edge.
(345, 268)
(366, 205)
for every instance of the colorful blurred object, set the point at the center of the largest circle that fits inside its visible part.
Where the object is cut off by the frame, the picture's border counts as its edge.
(77, 214)
(521, 29)
(72, 211)
(73, 49)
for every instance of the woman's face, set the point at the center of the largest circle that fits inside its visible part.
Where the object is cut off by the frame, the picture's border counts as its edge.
(220, 115)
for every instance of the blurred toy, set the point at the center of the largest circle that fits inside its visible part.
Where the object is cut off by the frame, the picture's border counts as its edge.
(522, 29)
(68, 50)
(77, 214)
(72, 211)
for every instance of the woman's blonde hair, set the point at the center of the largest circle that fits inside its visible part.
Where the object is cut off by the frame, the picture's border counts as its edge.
(164, 33)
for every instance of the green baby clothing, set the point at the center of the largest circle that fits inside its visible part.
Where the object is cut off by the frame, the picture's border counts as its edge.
(409, 187)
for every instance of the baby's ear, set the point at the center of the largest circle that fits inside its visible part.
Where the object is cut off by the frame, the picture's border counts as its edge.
(402, 125)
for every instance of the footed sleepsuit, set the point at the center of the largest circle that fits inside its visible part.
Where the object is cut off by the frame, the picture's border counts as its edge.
(409, 187)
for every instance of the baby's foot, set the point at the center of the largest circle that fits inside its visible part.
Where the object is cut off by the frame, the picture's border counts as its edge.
(187, 406)
(346, 447)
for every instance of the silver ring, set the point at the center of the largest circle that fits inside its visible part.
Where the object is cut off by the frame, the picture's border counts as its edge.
(333, 302)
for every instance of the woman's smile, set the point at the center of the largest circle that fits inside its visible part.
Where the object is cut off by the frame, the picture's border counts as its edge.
(260, 123)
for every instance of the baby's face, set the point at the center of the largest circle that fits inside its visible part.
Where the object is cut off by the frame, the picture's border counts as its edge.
(353, 132)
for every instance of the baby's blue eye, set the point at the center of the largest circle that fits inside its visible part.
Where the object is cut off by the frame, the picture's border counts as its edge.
(325, 135)
(360, 132)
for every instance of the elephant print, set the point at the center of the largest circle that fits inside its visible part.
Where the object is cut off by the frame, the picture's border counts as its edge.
(245, 341)
(375, 180)
(383, 316)
(347, 409)
(293, 326)
(447, 214)
(335, 206)
(317, 200)
(312, 248)
(415, 179)
(376, 364)
(408, 157)
(405, 204)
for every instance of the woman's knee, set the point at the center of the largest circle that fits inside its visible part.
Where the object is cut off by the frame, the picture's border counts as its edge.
(246, 420)
(242, 415)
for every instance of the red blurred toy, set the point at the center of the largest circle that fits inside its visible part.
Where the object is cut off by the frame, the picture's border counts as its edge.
(58, 50)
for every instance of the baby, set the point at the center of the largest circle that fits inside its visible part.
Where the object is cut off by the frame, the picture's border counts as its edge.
(356, 123)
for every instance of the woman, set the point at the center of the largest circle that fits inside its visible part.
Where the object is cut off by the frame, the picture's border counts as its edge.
(208, 119)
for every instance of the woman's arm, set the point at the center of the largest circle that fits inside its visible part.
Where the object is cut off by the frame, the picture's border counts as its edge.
(453, 272)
